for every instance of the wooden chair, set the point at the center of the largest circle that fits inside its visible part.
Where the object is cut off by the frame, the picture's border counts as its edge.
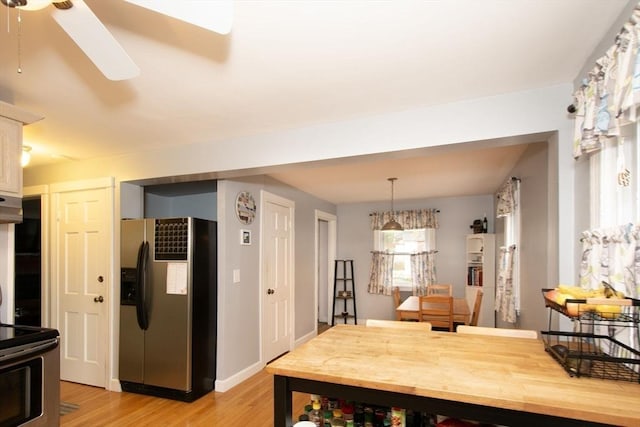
(475, 314)
(437, 310)
(422, 326)
(396, 301)
(501, 332)
(440, 289)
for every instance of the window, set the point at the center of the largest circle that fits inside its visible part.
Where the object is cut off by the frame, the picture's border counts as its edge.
(614, 183)
(402, 244)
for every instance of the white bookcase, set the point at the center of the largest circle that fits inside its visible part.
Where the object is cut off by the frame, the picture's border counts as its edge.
(481, 275)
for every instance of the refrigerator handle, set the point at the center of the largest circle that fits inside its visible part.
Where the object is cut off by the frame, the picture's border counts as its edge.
(141, 286)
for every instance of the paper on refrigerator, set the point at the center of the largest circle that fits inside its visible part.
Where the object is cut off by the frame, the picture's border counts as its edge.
(177, 278)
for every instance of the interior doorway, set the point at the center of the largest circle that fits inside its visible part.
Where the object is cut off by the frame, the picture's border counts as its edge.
(28, 265)
(325, 247)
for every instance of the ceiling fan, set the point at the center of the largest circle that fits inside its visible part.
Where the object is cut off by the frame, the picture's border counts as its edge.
(95, 40)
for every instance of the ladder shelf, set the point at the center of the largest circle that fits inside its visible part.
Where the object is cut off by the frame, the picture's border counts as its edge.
(343, 273)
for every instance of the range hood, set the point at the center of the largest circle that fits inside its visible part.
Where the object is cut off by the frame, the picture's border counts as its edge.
(10, 209)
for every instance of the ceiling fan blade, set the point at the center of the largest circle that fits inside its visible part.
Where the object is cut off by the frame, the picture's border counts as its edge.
(96, 41)
(215, 16)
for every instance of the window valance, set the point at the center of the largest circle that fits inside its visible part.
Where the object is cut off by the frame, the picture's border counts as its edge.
(409, 219)
(610, 94)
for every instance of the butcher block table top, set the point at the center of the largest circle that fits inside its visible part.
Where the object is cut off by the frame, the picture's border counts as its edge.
(499, 372)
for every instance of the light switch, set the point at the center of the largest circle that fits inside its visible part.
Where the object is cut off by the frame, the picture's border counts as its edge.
(236, 276)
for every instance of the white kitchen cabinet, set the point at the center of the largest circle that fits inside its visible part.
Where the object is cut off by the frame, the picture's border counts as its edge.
(10, 153)
(12, 119)
(481, 275)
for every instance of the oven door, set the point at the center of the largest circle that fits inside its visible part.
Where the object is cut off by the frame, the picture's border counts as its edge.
(29, 385)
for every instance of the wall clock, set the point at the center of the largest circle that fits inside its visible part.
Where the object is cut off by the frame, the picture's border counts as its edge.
(245, 207)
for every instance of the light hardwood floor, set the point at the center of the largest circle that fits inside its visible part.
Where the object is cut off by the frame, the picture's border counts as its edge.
(248, 404)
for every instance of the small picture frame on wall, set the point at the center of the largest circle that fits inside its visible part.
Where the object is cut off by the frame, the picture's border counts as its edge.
(245, 237)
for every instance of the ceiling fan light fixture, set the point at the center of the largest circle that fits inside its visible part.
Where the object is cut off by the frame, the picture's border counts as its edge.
(14, 3)
(63, 5)
(392, 224)
(25, 159)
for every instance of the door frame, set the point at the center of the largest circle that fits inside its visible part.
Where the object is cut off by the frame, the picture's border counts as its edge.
(42, 191)
(266, 197)
(113, 300)
(332, 242)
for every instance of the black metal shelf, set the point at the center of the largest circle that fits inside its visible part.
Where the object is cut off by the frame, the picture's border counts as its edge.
(343, 272)
(593, 349)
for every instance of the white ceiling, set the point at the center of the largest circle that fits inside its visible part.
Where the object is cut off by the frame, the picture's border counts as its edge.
(289, 64)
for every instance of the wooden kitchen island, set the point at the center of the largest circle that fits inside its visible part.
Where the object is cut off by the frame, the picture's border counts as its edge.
(507, 381)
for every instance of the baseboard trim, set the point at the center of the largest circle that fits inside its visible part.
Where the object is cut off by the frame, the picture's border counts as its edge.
(304, 339)
(234, 380)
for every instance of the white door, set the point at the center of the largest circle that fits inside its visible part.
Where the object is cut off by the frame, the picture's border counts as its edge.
(277, 273)
(82, 279)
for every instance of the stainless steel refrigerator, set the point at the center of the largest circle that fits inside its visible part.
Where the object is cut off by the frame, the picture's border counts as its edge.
(168, 304)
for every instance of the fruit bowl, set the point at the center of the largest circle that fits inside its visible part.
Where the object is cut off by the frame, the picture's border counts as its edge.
(594, 308)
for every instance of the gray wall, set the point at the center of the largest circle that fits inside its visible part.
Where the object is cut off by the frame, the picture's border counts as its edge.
(355, 241)
(534, 246)
(521, 113)
(239, 303)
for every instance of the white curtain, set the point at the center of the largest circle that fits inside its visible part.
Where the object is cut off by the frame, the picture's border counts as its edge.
(505, 296)
(612, 255)
(508, 282)
(423, 271)
(409, 219)
(422, 263)
(610, 94)
(381, 277)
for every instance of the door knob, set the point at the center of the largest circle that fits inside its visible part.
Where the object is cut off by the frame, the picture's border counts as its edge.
(98, 299)
(100, 279)
(270, 291)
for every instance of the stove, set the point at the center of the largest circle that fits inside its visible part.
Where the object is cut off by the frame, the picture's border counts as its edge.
(29, 376)
(12, 336)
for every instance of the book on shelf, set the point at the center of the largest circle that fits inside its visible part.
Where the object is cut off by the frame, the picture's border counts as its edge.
(474, 276)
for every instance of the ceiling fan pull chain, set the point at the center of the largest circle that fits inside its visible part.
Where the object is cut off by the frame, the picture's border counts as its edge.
(19, 44)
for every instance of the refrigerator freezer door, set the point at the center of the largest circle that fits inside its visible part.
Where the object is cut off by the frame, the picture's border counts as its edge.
(132, 234)
(131, 346)
(131, 336)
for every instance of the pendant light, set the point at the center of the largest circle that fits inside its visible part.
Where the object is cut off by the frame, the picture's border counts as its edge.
(392, 224)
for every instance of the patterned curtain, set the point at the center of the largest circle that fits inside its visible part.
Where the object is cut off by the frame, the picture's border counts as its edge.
(506, 202)
(423, 271)
(505, 295)
(612, 255)
(409, 219)
(610, 94)
(381, 277)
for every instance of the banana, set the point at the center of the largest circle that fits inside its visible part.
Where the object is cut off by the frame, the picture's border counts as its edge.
(576, 292)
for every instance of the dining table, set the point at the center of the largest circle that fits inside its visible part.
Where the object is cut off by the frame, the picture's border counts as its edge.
(491, 379)
(409, 310)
